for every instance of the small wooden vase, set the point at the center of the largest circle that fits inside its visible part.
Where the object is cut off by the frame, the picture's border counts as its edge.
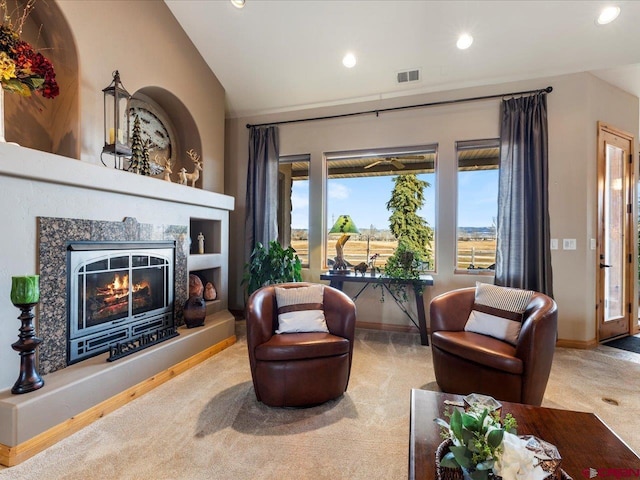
(195, 311)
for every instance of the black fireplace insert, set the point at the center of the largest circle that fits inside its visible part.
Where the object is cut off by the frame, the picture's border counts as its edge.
(116, 292)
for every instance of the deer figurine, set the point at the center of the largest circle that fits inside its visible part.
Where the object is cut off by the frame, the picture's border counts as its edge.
(193, 177)
(166, 175)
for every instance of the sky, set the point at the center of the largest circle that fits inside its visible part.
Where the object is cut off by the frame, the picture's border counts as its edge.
(364, 199)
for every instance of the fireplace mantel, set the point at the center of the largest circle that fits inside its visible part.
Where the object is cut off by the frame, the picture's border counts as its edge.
(28, 164)
(37, 184)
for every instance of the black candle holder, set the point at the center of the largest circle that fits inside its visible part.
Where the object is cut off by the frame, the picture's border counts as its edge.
(29, 379)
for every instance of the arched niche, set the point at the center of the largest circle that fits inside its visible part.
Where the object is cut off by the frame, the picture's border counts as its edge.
(48, 125)
(180, 121)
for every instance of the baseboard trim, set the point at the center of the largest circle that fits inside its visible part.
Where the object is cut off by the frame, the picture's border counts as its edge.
(11, 456)
(387, 327)
(581, 344)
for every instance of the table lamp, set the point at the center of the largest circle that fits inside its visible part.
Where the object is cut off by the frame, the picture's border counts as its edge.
(343, 225)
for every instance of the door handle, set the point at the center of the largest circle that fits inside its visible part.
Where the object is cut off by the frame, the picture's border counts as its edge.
(602, 265)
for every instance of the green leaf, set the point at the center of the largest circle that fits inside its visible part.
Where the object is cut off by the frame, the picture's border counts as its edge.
(485, 412)
(33, 82)
(16, 86)
(470, 422)
(448, 461)
(462, 456)
(456, 423)
(486, 465)
(441, 423)
(494, 438)
(272, 265)
(467, 437)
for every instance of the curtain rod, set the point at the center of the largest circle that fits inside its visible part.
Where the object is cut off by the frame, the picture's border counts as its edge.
(393, 109)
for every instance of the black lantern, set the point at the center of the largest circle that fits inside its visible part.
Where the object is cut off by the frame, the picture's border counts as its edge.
(116, 127)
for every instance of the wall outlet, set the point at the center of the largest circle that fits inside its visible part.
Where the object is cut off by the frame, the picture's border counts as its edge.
(554, 244)
(568, 243)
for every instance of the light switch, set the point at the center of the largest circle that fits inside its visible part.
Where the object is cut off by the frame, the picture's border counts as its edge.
(568, 243)
(554, 244)
(593, 244)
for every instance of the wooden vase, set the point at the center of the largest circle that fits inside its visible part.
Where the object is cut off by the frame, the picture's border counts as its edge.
(195, 311)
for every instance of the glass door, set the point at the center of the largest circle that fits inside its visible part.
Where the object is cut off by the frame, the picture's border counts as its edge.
(615, 220)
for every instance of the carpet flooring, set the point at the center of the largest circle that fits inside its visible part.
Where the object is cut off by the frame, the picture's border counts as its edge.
(207, 424)
(630, 344)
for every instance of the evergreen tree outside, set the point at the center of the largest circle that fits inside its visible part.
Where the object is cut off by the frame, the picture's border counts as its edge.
(137, 148)
(412, 231)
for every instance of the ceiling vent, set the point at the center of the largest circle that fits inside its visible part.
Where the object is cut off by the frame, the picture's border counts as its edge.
(409, 76)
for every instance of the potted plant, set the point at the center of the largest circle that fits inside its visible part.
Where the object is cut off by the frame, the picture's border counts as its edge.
(485, 446)
(475, 440)
(272, 265)
(404, 264)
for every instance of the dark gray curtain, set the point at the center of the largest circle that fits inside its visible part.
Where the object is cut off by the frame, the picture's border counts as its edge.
(523, 250)
(261, 215)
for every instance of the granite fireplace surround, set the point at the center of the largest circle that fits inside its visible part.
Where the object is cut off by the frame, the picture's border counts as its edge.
(54, 233)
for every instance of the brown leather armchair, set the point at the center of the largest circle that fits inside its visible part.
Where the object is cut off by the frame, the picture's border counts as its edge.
(467, 362)
(299, 369)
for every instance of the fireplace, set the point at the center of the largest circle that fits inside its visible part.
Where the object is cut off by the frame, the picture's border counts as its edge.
(119, 294)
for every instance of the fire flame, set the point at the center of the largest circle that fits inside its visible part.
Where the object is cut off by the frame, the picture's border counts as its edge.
(113, 298)
(120, 285)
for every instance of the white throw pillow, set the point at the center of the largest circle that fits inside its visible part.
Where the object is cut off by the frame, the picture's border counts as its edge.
(497, 311)
(301, 309)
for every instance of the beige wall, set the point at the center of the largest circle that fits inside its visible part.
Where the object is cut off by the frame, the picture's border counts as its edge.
(574, 107)
(146, 44)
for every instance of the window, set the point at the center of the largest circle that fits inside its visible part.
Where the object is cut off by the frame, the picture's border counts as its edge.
(293, 204)
(478, 168)
(359, 184)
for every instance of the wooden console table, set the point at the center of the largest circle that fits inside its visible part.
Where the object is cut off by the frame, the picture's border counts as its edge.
(337, 281)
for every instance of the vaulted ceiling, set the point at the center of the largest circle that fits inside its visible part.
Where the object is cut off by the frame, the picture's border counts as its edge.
(281, 55)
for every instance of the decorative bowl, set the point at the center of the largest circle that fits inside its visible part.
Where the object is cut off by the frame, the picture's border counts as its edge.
(482, 401)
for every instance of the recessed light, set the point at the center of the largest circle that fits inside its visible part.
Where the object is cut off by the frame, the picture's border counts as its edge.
(608, 15)
(238, 3)
(349, 60)
(464, 41)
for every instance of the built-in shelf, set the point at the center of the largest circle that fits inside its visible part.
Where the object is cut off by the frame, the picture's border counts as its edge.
(202, 262)
(212, 275)
(208, 266)
(211, 229)
(208, 275)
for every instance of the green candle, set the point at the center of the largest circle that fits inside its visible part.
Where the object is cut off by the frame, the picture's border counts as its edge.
(25, 290)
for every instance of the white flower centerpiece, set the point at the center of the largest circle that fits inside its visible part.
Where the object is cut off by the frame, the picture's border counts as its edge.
(484, 446)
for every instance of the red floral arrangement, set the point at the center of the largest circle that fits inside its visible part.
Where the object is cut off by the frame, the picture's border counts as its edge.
(22, 69)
